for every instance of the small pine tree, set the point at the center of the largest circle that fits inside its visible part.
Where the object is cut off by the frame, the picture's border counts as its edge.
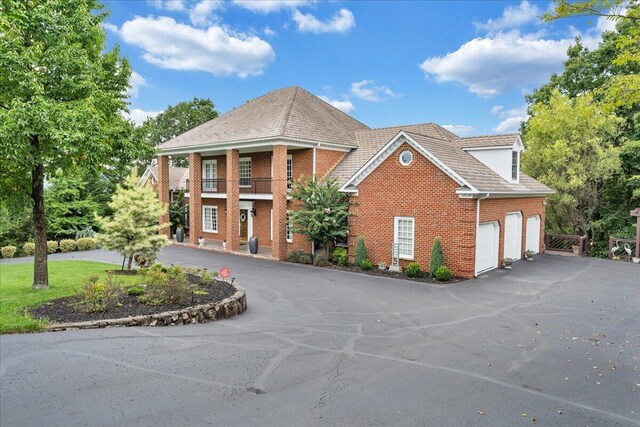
(437, 257)
(134, 227)
(361, 251)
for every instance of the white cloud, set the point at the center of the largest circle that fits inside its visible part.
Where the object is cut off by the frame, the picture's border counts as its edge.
(136, 81)
(110, 27)
(268, 6)
(171, 5)
(345, 106)
(368, 91)
(169, 44)
(495, 64)
(201, 13)
(460, 130)
(138, 116)
(512, 17)
(341, 22)
(269, 32)
(511, 119)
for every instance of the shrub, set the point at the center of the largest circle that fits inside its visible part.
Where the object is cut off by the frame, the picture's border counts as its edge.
(437, 257)
(68, 245)
(361, 251)
(166, 287)
(52, 246)
(305, 259)
(321, 259)
(208, 278)
(340, 256)
(86, 233)
(366, 264)
(135, 291)
(86, 243)
(96, 295)
(8, 251)
(414, 269)
(294, 256)
(29, 248)
(443, 273)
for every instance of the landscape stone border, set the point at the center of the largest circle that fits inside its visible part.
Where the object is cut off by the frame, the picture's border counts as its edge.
(228, 307)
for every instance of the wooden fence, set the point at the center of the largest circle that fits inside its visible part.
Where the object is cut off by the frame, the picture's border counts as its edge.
(578, 245)
(623, 249)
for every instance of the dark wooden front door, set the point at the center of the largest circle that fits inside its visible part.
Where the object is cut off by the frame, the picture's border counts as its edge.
(244, 225)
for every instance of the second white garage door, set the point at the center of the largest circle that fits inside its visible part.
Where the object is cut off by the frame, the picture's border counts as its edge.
(513, 235)
(487, 246)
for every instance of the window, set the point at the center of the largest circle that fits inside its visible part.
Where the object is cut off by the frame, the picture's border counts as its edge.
(403, 235)
(514, 165)
(406, 157)
(209, 175)
(289, 232)
(210, 219)
(245, 172)
(289, 171)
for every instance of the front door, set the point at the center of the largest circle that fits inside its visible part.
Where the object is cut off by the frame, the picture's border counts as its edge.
(244, 225)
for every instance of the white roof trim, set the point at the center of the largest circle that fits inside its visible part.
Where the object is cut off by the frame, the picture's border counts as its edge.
(517, 145)
(255, 143)
(389, 148)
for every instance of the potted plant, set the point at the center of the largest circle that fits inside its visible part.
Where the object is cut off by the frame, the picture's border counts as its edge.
(529, 255)
(201, 241)
(383, 266)
(636, 260)
(224, 244)
(507, 263)
(253, 245)
(575, 249)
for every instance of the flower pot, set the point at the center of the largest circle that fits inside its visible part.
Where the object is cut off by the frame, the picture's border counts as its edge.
(201, 241)
(253, 245)
(636, 260)
(224, 245)
(179, 235)
(576, 250)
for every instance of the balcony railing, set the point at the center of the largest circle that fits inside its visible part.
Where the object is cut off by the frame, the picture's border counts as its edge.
(246, 186)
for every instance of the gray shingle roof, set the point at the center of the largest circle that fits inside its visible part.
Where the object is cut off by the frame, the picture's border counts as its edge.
(489, 140)
(177, 176)
(290, 113)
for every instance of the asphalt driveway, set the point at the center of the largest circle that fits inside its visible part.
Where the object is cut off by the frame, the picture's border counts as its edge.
(552, 342)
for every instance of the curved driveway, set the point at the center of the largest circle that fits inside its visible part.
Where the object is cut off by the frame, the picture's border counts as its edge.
(556, 339)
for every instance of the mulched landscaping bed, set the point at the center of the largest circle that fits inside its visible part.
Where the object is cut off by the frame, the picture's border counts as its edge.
(375, 271)
(63, 310)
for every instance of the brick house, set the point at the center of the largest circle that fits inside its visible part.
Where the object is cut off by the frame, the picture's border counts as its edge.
(410, 183)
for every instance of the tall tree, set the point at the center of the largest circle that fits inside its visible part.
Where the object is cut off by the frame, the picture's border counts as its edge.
(61, 99)
(70, 207)
(570, 147)
(175, 120)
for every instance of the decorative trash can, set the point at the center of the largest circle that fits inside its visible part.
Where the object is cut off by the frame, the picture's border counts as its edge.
(253, 245)
(179, 235)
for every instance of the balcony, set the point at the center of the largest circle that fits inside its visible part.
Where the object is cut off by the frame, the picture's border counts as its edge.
(247, 186)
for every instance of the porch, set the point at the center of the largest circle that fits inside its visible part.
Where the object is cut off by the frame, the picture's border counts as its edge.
(213, 245)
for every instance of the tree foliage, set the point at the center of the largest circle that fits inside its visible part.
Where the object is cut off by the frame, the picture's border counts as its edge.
(175, 120)
(571, 148)
(360, 252)
(134, 228)
(323, 212)
(437, 257)
(61, 98)
(70, 207)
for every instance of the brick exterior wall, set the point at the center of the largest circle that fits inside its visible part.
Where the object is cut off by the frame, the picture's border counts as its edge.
(497, 209)
(163, 192)
(326, 160)
(233, 200)
(195, 189)
(279, 244)
(420, 190)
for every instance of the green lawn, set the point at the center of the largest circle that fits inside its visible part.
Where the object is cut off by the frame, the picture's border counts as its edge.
(65, 278)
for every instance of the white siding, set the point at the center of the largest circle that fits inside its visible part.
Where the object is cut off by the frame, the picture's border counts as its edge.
(498, 160)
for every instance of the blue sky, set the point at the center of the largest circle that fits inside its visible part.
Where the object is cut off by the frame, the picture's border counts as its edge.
(465, 65)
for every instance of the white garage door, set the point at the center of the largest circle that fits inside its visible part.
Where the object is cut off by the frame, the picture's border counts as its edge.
(487, 246)
(513, 235)
(533, 234)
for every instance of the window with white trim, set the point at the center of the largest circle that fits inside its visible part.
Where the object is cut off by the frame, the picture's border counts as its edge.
(289, 228)
(210, 219)
(514, 166)
(403, 234)
(244, 172)
(209, 175)
(289, 171)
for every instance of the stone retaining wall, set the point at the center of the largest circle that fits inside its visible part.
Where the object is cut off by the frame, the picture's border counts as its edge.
(228, 307)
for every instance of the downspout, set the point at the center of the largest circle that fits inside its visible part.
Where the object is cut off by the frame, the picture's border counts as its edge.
(478, 227)
(313, 173)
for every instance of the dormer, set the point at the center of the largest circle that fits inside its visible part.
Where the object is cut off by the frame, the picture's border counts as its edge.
(500, 153)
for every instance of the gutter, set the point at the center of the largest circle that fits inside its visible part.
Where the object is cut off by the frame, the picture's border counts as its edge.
(478, 226)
